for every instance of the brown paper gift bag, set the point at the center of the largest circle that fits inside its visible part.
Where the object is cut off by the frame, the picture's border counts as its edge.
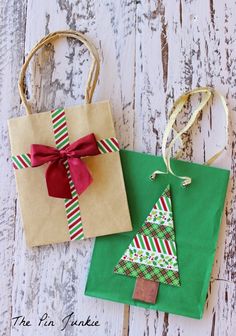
(102, 208)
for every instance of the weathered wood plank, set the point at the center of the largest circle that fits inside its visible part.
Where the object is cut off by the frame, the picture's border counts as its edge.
(180, 45)
(52, 279)
(219, 318)
(12, 35)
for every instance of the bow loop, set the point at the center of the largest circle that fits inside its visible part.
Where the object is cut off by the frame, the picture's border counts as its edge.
(57, 174)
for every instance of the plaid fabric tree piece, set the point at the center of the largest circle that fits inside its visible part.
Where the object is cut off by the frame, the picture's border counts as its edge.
(161, 231)
(152, 253)
(148, 272)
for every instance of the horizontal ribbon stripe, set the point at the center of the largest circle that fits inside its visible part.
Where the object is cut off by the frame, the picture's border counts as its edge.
(108, 145)
(21, 161)
(139, 255)
(154, 244)
(63, 142)
(149, 272)
(153, 219)
(157, 230)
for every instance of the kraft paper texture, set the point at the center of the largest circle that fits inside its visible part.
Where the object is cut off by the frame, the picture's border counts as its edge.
(104, 208)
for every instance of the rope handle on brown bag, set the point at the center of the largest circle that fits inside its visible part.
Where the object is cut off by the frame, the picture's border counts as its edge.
(94, 69)
(177, 108)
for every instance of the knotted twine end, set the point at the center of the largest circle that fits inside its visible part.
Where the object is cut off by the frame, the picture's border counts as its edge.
(153, 176)
(187, 182)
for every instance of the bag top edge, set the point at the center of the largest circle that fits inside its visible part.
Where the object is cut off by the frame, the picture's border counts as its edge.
(42, 113)
(178, 160)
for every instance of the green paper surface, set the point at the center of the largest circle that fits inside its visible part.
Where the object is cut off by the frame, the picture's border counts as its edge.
(197, 211)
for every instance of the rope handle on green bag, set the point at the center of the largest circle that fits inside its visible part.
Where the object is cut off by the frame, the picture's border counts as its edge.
(93, 72)
(177, 108)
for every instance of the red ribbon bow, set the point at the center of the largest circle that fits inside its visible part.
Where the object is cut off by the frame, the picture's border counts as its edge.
(56, 174)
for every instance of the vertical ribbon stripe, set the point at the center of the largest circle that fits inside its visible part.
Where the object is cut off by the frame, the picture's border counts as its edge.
(73, 211)
(72, 205)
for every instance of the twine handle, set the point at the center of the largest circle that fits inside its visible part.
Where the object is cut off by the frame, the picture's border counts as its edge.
(93, 73)
(177, 108)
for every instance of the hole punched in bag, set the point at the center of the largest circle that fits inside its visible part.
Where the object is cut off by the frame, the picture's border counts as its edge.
(175, 111)
(93, 72)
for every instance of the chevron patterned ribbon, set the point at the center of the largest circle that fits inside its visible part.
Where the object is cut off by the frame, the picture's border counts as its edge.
(61, 137)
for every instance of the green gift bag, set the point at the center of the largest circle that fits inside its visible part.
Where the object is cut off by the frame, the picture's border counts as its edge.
(197, 204)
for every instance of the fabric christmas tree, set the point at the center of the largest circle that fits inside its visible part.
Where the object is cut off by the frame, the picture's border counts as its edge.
(151, 257)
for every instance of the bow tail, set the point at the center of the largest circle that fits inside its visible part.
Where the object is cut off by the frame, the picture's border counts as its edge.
(80, 174)
(57, 180)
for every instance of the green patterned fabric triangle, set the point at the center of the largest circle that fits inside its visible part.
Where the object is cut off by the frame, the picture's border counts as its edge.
(152, 254)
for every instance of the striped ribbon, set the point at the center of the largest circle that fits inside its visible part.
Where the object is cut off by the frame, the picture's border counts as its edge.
(72, 207)
(163, 204)
(105, 146)
(61, 137)
(154, 244)
(21, 161)
(108, 145)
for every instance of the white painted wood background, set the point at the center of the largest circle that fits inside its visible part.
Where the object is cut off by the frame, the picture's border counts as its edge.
(151, 51)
